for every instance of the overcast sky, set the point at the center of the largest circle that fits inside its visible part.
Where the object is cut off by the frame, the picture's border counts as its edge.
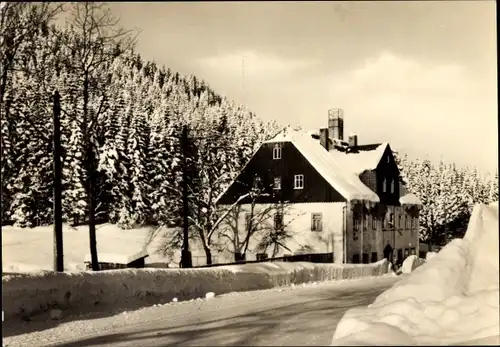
(420, 75)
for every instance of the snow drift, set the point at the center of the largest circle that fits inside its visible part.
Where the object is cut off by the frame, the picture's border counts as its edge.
(28, 294)
(452, 298)
(411, 263)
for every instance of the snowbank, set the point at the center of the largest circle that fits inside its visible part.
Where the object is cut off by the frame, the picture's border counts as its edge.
(452, 298)
(25, 294)
(411, 263)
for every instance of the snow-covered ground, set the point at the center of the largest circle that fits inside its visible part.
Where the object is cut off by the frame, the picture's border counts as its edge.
(452, 299)
(31, 249)
(292, 315)
(25, 295)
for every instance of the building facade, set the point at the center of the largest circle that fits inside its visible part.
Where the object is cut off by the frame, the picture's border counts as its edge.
(316, 193)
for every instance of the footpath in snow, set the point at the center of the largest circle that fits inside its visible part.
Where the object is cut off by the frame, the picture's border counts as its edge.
(451, 299)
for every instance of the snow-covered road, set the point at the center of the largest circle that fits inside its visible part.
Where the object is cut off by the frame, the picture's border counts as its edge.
(301, 315)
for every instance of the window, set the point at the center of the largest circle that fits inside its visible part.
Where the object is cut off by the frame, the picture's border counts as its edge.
(384, 185)
(248, 219)
(413, 251)
(365, 222)
(356, 224)
(316, 222)
(374, 223)
(407, 222)
(392, 186)
(277, 183)
(257, 182)
(365, 258)
(400, 222)
(261, 256)
(391, 219)
(277, 151)
(415, 223)
(298, 182)
(355, 258)
(399, 256)
(278, 221)
(388, 159)
(374, 257)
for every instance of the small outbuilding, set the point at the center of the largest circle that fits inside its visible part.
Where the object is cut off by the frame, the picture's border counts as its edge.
(112, 261)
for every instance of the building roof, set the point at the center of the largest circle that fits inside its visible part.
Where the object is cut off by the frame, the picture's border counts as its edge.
(360, 158)
(410, 199)
(117, 258)
(337, 169)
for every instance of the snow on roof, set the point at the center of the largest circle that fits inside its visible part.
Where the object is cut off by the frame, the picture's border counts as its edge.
(358, 162)
(312, 132)
(410, 199)
(117, 258)
(346, 182)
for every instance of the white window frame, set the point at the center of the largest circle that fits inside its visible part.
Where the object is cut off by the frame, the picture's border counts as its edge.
(277, 151)
(365, 222)
(298, 179)
(277, 180)
(319, 226)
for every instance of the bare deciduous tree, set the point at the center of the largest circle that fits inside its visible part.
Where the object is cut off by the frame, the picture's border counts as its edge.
(259, 222)
(95, 40)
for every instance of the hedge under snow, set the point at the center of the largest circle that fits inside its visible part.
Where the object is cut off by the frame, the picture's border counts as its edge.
(452, 298)
(28, 294)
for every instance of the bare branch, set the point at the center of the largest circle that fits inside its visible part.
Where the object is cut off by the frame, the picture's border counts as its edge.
(224, 215)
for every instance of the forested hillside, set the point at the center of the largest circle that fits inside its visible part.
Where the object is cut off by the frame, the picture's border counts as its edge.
(122, 124)
(136, 110)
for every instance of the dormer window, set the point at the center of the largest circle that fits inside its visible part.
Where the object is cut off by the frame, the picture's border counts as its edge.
(384, 185)
(277, 151)
(392, 186)
(388, 159)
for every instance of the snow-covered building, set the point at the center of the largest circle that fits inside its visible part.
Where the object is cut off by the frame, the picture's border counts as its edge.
(313, 192)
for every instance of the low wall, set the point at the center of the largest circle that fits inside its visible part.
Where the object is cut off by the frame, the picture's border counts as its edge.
(29, 294)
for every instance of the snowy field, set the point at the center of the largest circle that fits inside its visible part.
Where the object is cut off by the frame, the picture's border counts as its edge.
(31, 249)
(451, 299)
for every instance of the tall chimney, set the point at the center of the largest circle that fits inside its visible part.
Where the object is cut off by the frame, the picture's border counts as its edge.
(336, 123)
(353, 140)
(323, 138)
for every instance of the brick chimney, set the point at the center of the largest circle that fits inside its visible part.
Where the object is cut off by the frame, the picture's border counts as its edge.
(323, 138)
(336, 123)
(353, 140)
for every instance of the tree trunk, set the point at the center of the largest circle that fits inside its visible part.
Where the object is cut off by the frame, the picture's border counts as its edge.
(90, 175)
(239, 257)
(92, 228)
(208, 254)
